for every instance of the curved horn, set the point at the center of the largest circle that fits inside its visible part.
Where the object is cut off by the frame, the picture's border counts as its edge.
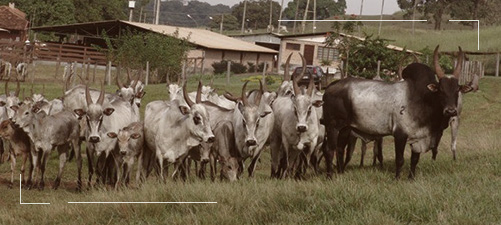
(18, 88)
(67, 82)
(416, 58)
(244, 96)
(87, 95)
(265, 86)
(135, 82)
(260, 93)
(198, 100)
(230, 97)
(459, 65)
(23, 94)
(311, 86)
(119, 83)
(186, 97)
(129, 78)
(100, 100)
(287, 77)
(438, 69)
(297, 78)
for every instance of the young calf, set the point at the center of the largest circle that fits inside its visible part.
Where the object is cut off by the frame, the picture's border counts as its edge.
(46, 132)
(130, 143)
(20, 145)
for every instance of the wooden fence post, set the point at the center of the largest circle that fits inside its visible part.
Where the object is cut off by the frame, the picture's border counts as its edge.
(228, 73)
(264, 72)
(146, 80)
(497, 64)
(108, 73)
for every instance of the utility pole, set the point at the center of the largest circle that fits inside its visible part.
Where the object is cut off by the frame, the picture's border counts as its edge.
(314, 15)
(271, 15)
(361, 8)
(295, 17)
(243, 17)
(221, 24)
(280, 16)
(303, 24)
(381, 18)
(414, 15)
(157, 15)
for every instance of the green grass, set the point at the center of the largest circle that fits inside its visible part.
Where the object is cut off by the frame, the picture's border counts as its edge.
(465, 191)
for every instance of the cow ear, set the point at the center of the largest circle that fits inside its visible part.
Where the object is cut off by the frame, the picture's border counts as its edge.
(2, 103)
(465, 88)
(112, 134)
(141, 94)
(240, 106)
(35, 108)
(14, 107)
(135, 135)
(108, 111)
(79, 112)
(318, 103)
(432, 87)
(184, 110)
(263, 114)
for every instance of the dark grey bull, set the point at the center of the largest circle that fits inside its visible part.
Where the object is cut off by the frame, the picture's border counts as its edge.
(413, 111)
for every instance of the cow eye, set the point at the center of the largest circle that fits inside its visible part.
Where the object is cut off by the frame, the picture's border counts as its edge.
(26, 113)
(197, 120)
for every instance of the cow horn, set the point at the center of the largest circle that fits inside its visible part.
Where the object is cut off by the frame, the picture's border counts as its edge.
(416, 59)
(135, 82)
(260, 93)
(438, 69)
(198, 100)
(18, 88)
(287, 76)
(23, 94)
(186, 97)
(119, 83)
(100, 100)
(311, 86)
(244, 96)
(7, 88)
(459, 65)
(297, 78)
(211, 81)
(265, 86)
(87, 95)
(67, 82)
(129, 77)
(230, 97)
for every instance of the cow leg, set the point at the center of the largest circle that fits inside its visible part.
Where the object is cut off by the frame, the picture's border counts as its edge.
(275, 151)
(344, 135)
(161, 167)
(23, 166)
(253, 164)
(330, 149)
(90, 162)
(212, 165)
(352, 141)
(77, 151)
(43, 165)
(363, 150)
(434, 150)
(12, 168)
(34, 167)
(378, 152)
(1, 151)
(62, 150)
(414, 162)
(454, 135)
(30, 172)
(140, 171)
(400, 142)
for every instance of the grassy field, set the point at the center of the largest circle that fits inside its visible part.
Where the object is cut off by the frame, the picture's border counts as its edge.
(465, 191)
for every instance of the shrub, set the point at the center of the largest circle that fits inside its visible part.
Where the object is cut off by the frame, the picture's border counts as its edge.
(221, 67)
(269, 79)
(251, 67)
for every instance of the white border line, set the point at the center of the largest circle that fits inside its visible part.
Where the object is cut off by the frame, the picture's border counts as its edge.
(352, 20)
(478, 30)
(20, 199)
(142, 202)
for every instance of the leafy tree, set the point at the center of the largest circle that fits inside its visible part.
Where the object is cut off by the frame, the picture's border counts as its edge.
(175, 13)
(469, 9)
(257, 13)
(134, 49)
(230, 22)
(325, 8)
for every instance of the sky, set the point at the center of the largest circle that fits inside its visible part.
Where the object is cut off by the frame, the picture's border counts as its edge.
(371, 7)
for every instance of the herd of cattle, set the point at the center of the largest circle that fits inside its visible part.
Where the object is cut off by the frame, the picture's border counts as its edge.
(301, 125)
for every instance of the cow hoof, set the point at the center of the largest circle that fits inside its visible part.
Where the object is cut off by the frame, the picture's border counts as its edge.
(41, 186)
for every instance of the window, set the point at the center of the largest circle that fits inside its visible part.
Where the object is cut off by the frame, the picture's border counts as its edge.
(325, 53)
(291, 46)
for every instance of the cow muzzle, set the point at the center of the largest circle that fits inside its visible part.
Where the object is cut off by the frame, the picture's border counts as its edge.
(211, 139)
(123, 153)
(251, 142)
(450, 111)
(94, 139)
(301, 128)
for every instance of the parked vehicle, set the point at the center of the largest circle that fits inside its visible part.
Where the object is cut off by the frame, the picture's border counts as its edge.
(316, 71)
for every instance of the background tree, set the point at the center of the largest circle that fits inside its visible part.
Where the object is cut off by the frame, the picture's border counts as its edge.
(325, 9)
(258, 13)
(230, 22)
